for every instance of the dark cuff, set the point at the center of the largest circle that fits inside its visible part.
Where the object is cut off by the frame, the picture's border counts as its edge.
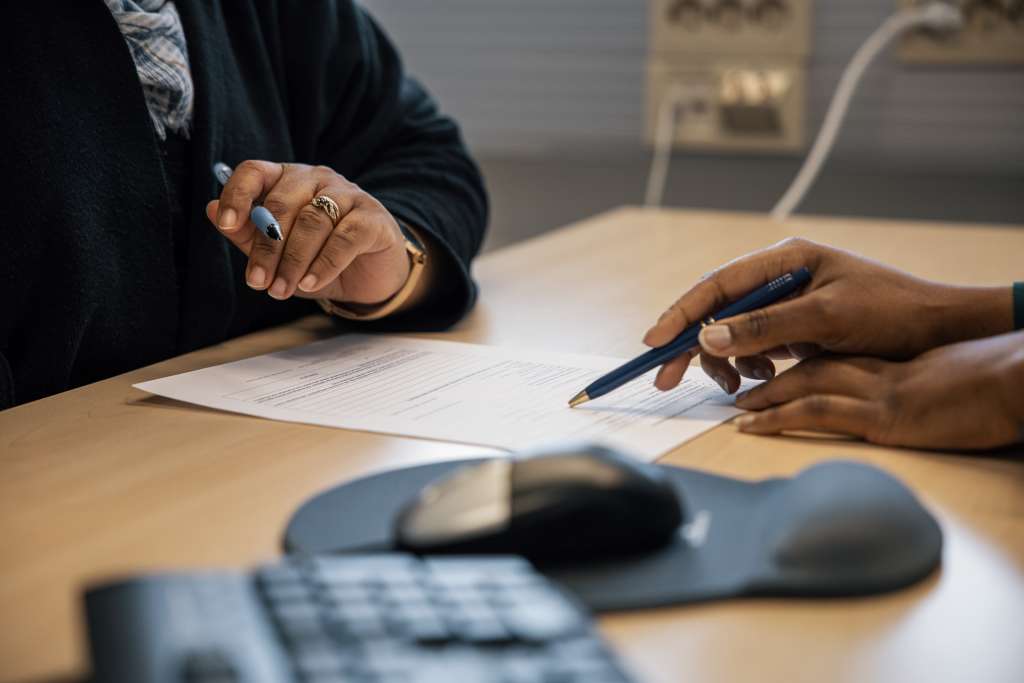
(6, 384)
(1018, 306)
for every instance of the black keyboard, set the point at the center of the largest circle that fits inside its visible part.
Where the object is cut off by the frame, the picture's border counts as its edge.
(348, 619)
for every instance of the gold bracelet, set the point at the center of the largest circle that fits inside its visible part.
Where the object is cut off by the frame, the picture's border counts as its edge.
(417, 264)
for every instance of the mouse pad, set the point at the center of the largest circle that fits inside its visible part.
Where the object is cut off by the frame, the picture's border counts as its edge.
(836, 529)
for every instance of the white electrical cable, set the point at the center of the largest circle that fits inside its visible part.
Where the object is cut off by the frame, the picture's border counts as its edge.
(936, 15)
(664, 131)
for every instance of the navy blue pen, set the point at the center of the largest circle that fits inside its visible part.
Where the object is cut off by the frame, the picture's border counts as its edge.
(261, 218)
(777, 289)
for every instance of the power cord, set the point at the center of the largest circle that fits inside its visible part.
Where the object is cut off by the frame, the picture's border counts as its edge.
(938, 16)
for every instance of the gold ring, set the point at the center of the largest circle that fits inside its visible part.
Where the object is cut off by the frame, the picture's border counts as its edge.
(328, 205)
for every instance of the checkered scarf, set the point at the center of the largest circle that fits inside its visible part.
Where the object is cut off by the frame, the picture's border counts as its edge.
(156, 39)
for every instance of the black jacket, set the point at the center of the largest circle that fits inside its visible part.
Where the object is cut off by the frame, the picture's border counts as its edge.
(91, 286)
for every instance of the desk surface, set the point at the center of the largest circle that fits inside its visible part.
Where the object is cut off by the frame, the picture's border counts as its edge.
(105, 480)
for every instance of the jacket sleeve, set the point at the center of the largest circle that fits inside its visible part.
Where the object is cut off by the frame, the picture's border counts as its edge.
(6, 384)
(351, 103)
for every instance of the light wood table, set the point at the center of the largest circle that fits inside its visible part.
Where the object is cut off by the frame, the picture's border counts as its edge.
(105, 480)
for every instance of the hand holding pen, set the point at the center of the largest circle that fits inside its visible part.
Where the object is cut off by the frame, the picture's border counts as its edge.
(309, 232)
(852, 306)
(885, 356)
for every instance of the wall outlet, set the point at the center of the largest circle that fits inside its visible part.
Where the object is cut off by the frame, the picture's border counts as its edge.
(993, 34)
(732, 104)
(731, 27)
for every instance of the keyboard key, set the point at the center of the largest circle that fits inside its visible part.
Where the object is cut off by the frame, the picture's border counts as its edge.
(522, 670)
(318, 661)
(354, 630)
(481, 631)
(426, 630)
(280, 573)
(542, 623)
(287, 592)
(365, 568)
(211, 665)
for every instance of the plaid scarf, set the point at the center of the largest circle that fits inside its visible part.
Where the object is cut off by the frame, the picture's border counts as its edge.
(156, 40)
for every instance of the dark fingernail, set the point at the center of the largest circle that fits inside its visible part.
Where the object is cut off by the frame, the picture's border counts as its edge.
(716, 337)
(763, 373)
(228, 219)
(257, 277)
(721, 382)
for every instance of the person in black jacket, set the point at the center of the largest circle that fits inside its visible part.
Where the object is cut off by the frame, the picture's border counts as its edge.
(114, 112)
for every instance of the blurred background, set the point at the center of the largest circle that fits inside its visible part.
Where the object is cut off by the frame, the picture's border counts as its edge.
(557, 99)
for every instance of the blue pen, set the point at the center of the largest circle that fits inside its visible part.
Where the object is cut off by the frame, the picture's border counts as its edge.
(775, 290)
(261, 218)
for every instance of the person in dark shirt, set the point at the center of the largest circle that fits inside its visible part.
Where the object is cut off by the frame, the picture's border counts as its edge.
(885, 356)
(114, 112)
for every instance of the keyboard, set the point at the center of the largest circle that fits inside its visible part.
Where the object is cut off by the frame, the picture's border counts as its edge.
(389, 618)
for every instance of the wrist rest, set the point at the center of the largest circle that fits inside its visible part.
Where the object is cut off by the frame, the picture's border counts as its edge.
(839, 528)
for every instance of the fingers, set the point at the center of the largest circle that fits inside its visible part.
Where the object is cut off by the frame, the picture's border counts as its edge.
(671, 373)
(250, 181)
(241, 238)
(730, 282)
(789, 322)
(818, 412)
(755, 367)
(285, 200)
(721, 371)
(856, 378)
(354, 235)
(309, 232)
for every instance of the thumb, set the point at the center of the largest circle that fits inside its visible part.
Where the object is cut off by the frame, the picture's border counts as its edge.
(789, 322)
(240, 237)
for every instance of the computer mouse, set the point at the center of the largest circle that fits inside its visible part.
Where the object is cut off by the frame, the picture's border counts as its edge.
(559, 504)
(847, 527)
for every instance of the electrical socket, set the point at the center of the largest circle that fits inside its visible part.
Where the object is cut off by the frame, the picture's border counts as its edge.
(993, 33)
(732, 104)
(754, 28)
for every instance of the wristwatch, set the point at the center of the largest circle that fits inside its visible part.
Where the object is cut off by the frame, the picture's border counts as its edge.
(417, 264)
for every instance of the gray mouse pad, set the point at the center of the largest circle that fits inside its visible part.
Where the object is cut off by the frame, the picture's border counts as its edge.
(838, 528)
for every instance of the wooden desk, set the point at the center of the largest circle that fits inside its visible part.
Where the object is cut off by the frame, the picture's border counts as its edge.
(105, 480)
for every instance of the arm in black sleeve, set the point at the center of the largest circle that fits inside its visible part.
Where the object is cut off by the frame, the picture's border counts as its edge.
(6, 384)
(382, 130)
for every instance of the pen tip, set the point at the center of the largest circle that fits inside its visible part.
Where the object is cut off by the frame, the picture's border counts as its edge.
(275, 232)
(578, 399)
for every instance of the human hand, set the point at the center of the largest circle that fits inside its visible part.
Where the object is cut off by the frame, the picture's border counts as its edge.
(852, 305)
(361, 259)
(963, 396)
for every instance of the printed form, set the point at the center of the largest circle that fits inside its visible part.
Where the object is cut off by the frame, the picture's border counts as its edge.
(496, 396)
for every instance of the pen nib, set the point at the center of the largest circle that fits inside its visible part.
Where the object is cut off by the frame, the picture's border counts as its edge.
(579, 399)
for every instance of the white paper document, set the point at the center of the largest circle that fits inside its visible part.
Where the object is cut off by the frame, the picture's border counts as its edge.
(487, 395)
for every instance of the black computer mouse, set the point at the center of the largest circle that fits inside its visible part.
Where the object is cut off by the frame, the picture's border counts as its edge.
(561, 503)
(843, 527)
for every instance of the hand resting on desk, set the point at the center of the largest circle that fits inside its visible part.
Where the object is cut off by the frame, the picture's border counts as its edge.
(874, 343)
(964, 396)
